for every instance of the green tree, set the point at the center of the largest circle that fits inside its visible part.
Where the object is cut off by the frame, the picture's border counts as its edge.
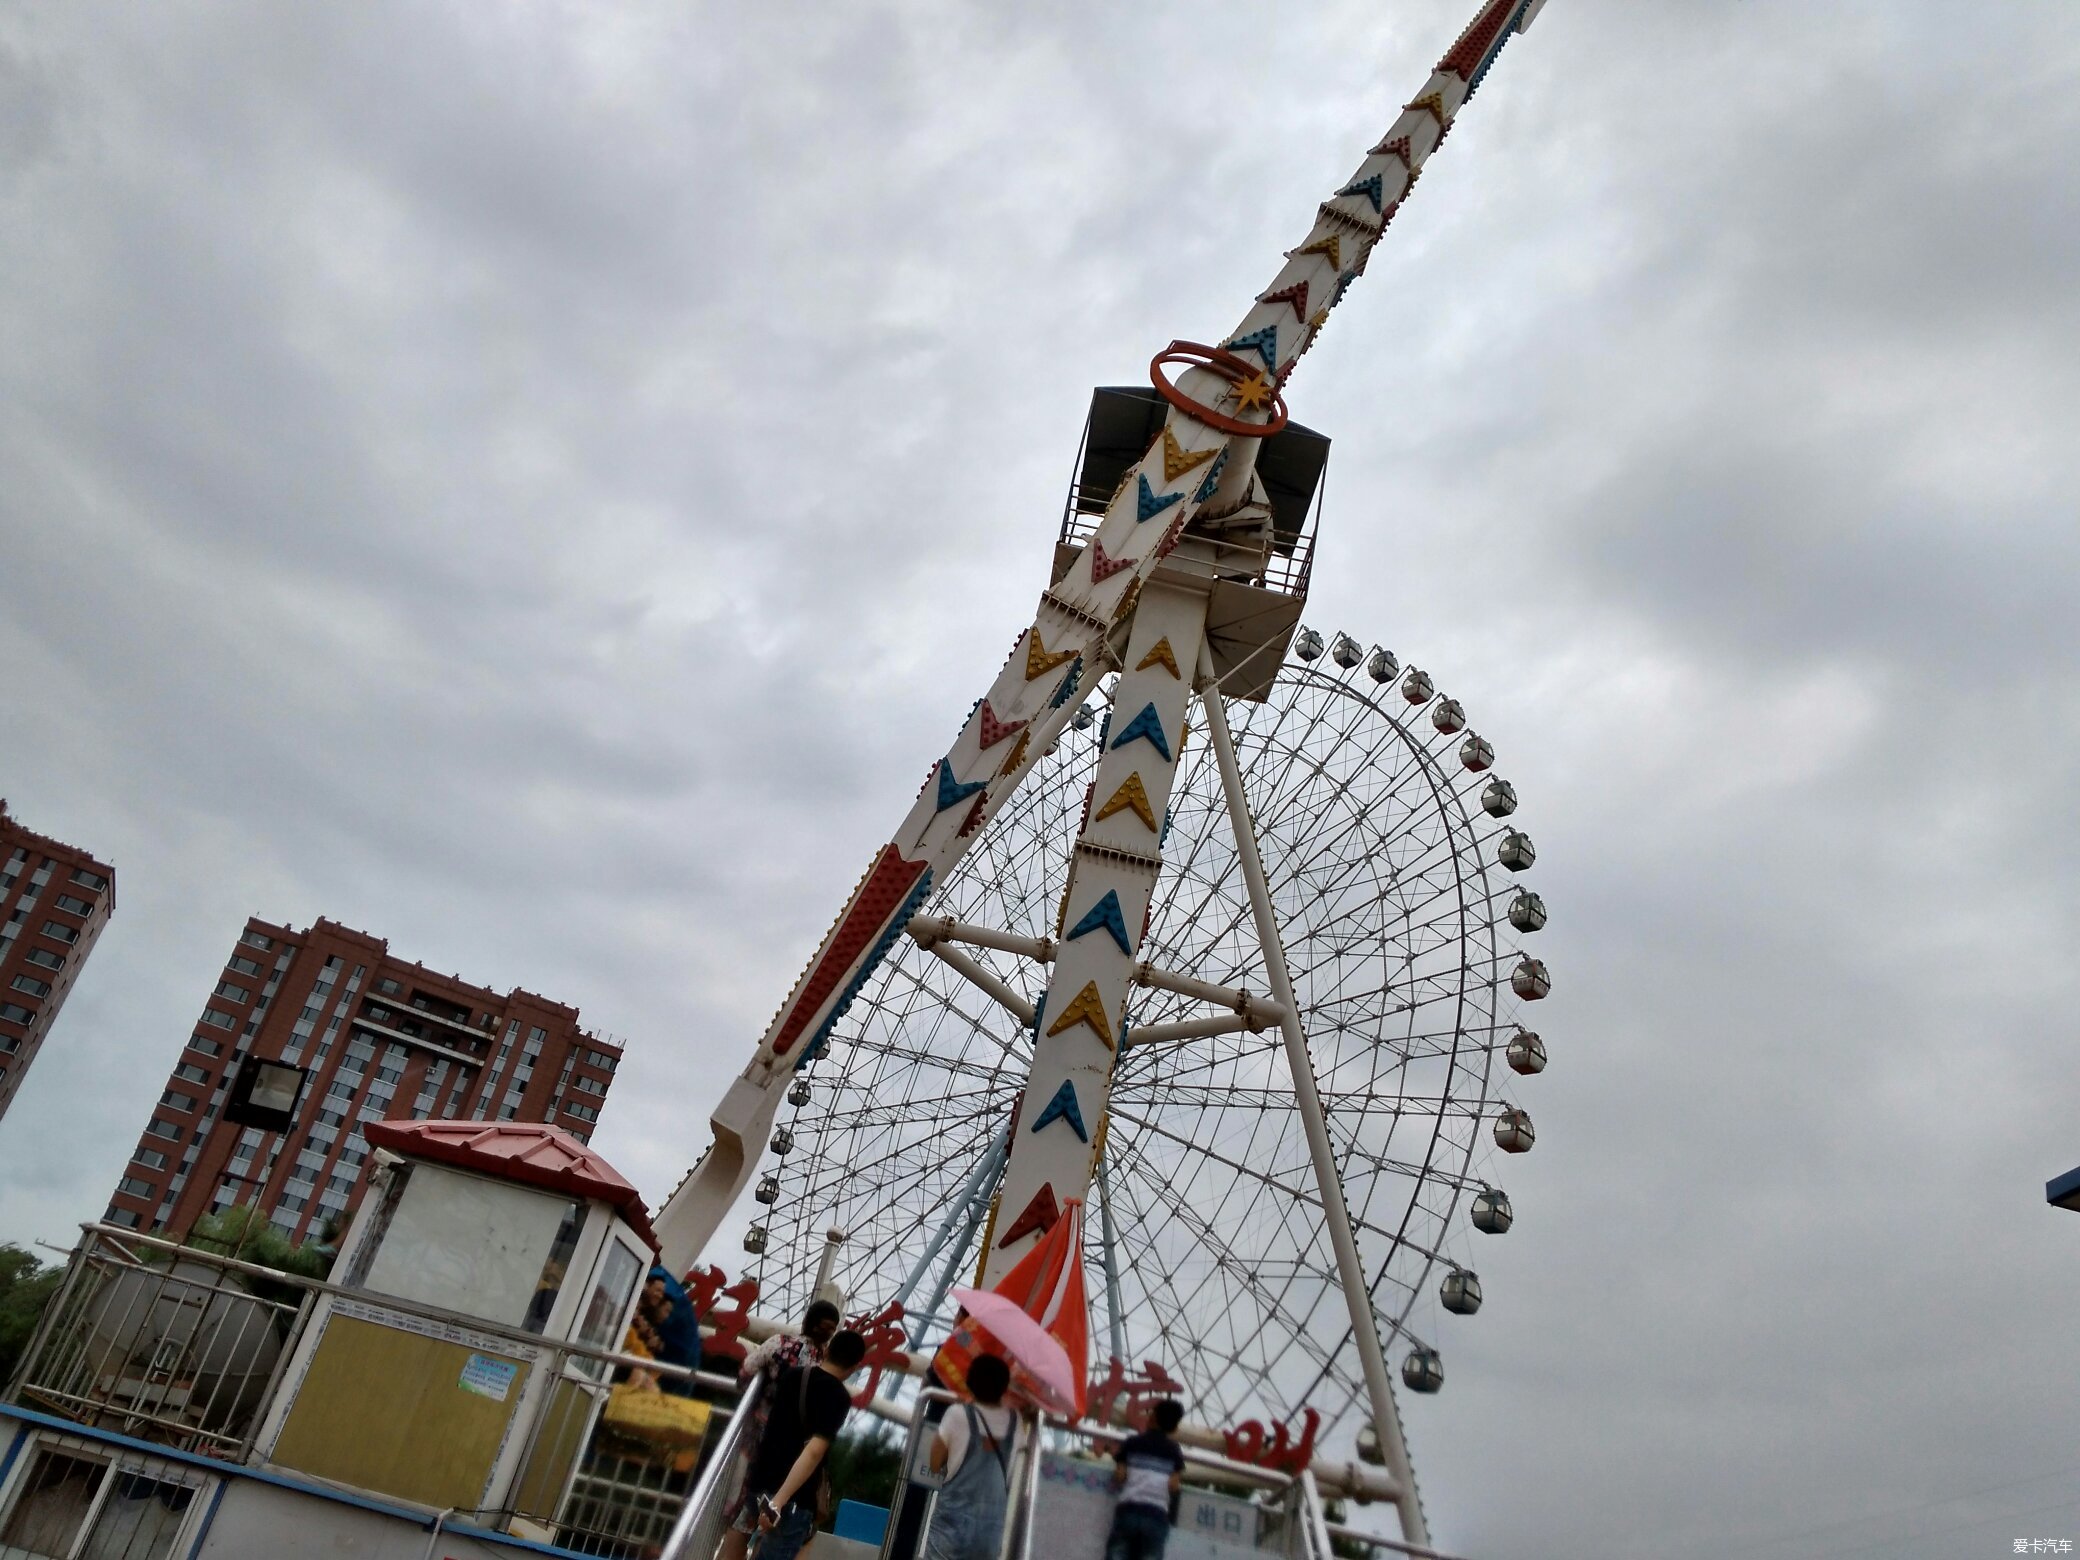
(244, 1233)
(26, 1287)
(867, 1465)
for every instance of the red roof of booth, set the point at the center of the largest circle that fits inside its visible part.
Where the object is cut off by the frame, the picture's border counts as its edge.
(528, 1152)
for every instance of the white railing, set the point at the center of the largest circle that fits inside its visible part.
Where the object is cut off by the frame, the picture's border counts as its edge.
(698, 1530)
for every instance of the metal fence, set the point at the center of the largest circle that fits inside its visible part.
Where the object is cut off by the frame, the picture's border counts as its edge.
(178, 1349)
(1285, 569)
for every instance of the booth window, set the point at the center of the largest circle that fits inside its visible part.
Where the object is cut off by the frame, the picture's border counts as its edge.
(464, 1243)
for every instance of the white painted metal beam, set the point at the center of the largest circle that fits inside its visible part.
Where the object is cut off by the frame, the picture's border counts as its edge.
(1379, 1385)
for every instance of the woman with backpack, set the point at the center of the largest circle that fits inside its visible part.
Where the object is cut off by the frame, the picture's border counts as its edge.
(973, 1451)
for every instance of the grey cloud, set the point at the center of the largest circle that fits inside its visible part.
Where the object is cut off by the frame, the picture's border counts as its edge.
(543, 487)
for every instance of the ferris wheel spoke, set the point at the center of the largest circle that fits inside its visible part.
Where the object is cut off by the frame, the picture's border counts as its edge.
(1292, 1188)
(1248, 1274)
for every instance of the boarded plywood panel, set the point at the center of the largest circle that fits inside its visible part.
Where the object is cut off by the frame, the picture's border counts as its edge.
(388, 1410)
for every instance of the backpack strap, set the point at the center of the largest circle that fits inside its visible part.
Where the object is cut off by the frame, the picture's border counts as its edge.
(1002, 1452)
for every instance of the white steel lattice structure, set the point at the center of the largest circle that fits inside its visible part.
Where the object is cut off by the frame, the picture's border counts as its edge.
(1181, 585)
(1377, 818)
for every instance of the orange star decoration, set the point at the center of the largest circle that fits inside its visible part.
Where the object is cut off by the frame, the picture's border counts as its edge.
(1254, 393)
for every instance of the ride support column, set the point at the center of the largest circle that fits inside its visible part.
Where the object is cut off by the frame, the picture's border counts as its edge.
(1112, 874)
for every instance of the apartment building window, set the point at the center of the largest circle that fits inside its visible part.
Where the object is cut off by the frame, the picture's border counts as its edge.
(190, 1073)
(582, 1112)
(255, 940)
(33, 986)
(123, 1218)
(60, 931)
(218, 1020)
(178, 1100)
(14, 1013)
(150, 1158)
(601, 1060)
(234, 991)
(243, 966)
(130, 1186)
(206, 1047)
(90, 880)
(163, 1129)
(587, 1085)
(73, 906)
(43, 958)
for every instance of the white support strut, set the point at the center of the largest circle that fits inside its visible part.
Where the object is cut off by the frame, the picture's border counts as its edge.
(1379, 1385)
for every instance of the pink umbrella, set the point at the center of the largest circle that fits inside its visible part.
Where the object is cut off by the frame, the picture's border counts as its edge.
(1040, 1364)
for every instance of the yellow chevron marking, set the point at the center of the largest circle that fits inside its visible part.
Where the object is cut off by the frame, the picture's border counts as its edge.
(1017, 755)
(1130, 797)
(1332, 247)
(1160, 655)
(1038, 661)
(1177, 460)
(1431, 103)
(1088, 1008)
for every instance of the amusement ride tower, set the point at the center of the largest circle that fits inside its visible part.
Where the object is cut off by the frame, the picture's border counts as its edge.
(1182, 589)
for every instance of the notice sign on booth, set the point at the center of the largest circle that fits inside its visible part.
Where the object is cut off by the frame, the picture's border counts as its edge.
(488, 1377)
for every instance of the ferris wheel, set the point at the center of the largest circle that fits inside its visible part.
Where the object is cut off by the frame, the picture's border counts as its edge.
(1390, 853)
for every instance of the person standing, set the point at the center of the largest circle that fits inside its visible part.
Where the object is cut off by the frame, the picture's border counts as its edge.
(771, 1360)
(973, 1451)
(1147, 1471)
(790, 1474)
(675, 1326)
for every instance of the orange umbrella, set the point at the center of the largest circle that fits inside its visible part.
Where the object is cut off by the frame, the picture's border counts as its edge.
(1047, 1284)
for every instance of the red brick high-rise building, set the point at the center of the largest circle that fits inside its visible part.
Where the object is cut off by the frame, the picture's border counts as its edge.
(308, 1035)
(54, 900)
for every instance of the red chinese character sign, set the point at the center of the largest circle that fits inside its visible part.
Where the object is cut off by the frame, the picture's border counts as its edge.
(884, 1347)
(723, 1328)
(1123, 1400)
(1277, 1448)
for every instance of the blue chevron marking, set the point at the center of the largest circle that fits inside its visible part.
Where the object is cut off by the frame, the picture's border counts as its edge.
(952, 791)
(1063, 1107)
(1150, 503)
(1262, 342)
(1106, 915)
(1147, 724)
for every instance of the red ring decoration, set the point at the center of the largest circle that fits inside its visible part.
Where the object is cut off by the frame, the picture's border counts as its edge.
(1228, 366)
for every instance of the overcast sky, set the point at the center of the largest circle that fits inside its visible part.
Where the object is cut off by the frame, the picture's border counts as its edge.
(539, 482)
